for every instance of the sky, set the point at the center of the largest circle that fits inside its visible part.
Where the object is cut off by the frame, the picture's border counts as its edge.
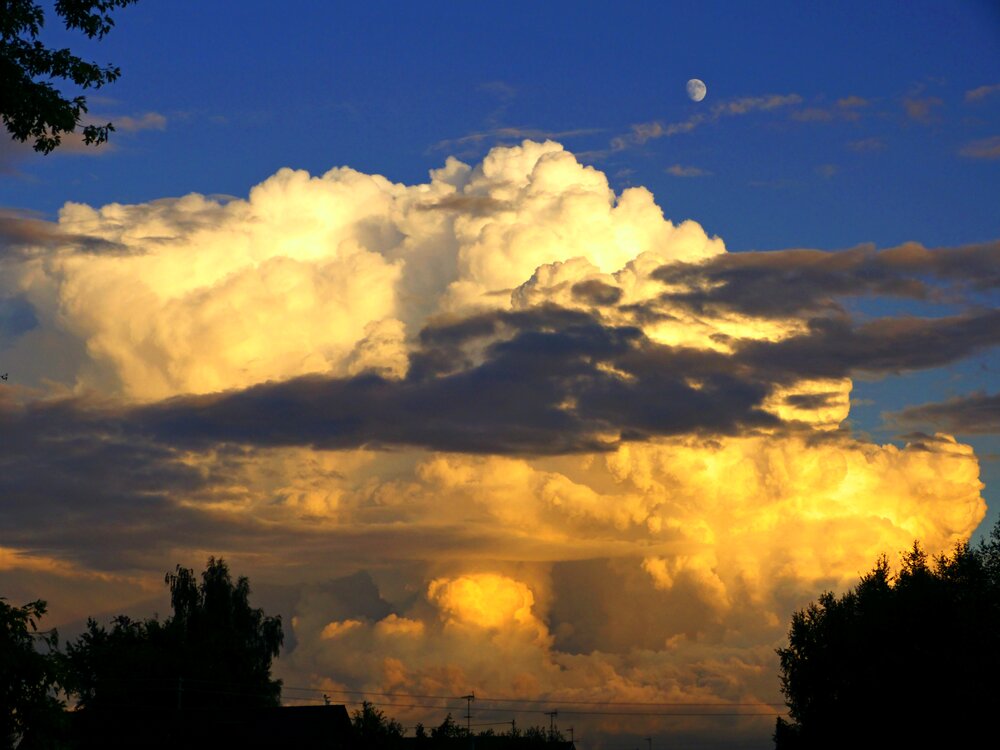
(497, 363)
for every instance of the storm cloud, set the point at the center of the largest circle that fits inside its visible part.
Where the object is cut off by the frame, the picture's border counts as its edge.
(494, 407)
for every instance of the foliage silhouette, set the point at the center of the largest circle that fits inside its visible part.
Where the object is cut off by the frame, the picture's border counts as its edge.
(214, 654)
(448, 728)
(29, 710)
(30, 105)
(372, 728)
(910, 659)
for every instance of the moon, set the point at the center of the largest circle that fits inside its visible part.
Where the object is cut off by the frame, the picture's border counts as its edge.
(696, 89)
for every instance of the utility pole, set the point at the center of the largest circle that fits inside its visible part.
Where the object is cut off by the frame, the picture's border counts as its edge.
(552, 722)
(571, 740)
(468, 711)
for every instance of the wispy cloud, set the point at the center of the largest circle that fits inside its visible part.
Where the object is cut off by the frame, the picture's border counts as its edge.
(147, 121)
(985, 148)
(921, 110)
(679, 170)
(846, 108)
(867, 145)
(980, 93)
(646, 131)
(852, 102)
(974, 414)
(507, 134)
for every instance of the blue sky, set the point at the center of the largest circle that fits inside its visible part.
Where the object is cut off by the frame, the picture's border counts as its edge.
(362, 391)
(381, 87)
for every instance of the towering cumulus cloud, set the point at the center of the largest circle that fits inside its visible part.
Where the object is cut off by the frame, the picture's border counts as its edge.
(505, 431)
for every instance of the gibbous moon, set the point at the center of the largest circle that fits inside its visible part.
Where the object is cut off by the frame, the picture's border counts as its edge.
(696, 89)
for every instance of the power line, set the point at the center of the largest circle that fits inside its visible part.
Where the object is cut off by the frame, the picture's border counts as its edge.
(546, 701)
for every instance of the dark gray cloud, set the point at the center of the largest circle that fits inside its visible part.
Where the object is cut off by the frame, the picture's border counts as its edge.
(596, 293)
(68, 479)
(785, 283)
(475, 205)
(546, 380)
(101, 481)
(561, 382)
(553, 381)
(22, 233)
(975, 414)
(834, 347)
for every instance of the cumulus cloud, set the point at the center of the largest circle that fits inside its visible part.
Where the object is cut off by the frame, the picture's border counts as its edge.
(213, 294)
(467, 424)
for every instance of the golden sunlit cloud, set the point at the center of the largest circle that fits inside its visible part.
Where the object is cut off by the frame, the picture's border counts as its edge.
(503, 431)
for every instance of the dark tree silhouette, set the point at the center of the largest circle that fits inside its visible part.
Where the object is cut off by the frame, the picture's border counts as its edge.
(214, 654)
(448, 729)
(372, 728)
(222, 639)
(28, 706)
(30, 104)
(911, 659)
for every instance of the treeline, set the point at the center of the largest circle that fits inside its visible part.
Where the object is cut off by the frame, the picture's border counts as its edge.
(907, 659)
(212, 655)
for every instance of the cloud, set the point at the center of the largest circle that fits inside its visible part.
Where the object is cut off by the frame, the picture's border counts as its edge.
(326, 274)
(982, 92)
(747, 104)
(921, 110)
(508, 134)
(846, 108)
(13, 152)
(852, 102)
(793, 282)
(985, 148)
(644, 132)
(813, 114)
(975, 414)
(23, 233)
(455, 430)
(147, 121)
(678, 170)
(867, 145)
